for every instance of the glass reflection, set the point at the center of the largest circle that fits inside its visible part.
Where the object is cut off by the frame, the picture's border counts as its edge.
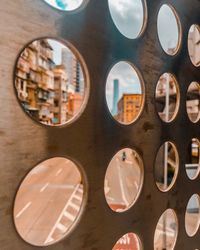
(169, 30)
(192, 215)
(194, 44)
(129, 241)
(49, 82)
(48, 202)
(193, 159)
(166, 166)
(123, 180)
(128, 16)
(167, 97)
(193, 102)
(124, 93)
(166, 231)
(66, 5)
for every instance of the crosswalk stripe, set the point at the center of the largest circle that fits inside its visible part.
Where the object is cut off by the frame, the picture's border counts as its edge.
(61, 227)
(49, 240)
(76, 207)
(80, 190)
(77, 197)
(69, 216)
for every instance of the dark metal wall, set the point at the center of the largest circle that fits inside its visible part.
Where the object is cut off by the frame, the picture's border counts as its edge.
(95, 137)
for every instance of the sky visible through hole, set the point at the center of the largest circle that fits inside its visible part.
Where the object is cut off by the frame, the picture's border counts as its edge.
(128, 14)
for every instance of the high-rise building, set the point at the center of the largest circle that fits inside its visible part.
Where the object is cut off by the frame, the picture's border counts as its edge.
(75, 73)
(115, 97)
(129, 107)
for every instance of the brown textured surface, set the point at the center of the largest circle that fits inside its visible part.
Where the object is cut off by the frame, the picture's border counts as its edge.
(95, 137)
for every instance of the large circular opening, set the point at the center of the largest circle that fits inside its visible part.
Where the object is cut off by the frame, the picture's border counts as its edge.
(169, 29)
(50, 82)
(130, 17)
(123, 180)
(125, 93)
(49, 201)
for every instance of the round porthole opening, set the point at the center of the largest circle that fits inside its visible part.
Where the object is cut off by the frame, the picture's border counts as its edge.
(169, 29)
(123, 180)
(51, 82)
(49, 201)
(125, 93)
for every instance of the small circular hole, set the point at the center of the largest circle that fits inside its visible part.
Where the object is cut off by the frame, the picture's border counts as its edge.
(193, 102)
(193, 159)
(125, 93)
(130, 17)
(169, 29)
(166, 232)
(129, 241)
(192, 215)
(65, 5)
(193, 44)
(123, 180)
(166, 166)
(167, 97)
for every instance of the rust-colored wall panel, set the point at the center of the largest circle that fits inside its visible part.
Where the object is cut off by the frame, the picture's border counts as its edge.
(95, 137)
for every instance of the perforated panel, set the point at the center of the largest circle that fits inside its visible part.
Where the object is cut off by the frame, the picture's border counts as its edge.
(95, 137)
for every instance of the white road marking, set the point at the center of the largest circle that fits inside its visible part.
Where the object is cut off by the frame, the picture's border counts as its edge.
(23, 209)
(61, 227)
(59, 171)
(50, 240)
(110, 198)
(129, 162)
(44, 187)
(74, 206)
(80, 190)
(77, 197)
(69, 216)
(168, 233)
(136, 185)
(122, 185)
(63, 213)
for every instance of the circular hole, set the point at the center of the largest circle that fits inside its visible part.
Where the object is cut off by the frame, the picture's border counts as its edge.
(169, 29)
(193, 44)
(50, 82)
(166, 166)
(167, 97)
(166, 231)
(192, 215)
(48, 202)
(123, 180)
(125, 92)
(193, 102)
(129, 241)
(130, 17)
(66, 5)
(193, 160)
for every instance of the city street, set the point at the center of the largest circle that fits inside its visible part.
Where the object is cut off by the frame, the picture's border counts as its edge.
(48, 201)
(123, 180)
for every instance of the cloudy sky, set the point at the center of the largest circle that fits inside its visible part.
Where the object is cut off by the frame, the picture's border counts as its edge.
(128, 17)
(128, 81)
